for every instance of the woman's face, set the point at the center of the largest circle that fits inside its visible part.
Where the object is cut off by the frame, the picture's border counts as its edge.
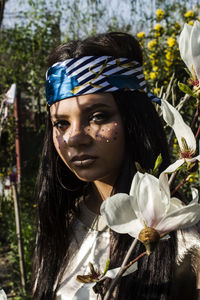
(88, 135)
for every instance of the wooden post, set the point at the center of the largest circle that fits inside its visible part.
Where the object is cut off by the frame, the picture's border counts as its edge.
(17, 137)
(19, 237)
(15, 188)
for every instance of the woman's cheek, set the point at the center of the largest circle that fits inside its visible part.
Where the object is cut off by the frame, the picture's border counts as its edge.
(58, 140)
(107, 133)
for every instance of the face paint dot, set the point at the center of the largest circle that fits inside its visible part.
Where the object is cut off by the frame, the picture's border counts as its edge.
(108, 129)
(115, 124)
(96, 135)
(107, 141)
(64, 141)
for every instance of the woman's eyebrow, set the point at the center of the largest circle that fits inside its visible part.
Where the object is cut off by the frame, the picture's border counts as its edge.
(84, 108)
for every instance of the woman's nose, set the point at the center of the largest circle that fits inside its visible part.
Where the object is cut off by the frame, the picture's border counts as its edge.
(78, 136)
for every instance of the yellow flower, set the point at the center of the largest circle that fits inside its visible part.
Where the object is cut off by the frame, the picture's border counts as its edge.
(189, 14)
(156, 91)
(141, 35)
(153, 75)
(171, 42)
(158, 27)
(155, 68)
(154, 62)
(169, 55)
(198, 18)
(152, 55)
(177, 26)
(158, 30)
(152, 44)
(168, 63)
(191, 23)
(146, 75)
(159, 14)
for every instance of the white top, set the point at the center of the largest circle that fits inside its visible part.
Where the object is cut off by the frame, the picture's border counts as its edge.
(91, 242)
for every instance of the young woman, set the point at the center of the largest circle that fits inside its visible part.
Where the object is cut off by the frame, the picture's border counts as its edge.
(100, 123)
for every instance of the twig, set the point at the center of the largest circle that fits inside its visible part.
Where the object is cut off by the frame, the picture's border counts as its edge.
(198, 132)
(133, 261)
(195, 117)
(121, 271)
(179, 185)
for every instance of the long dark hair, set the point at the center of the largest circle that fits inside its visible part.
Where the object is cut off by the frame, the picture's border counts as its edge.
(57, 207)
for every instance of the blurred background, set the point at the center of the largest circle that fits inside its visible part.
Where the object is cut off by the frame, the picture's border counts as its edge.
(29, 31)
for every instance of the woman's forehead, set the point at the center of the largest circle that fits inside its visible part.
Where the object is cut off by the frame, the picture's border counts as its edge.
(83, 103)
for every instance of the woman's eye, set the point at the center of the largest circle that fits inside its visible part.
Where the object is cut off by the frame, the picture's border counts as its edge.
(61, 125)
(98, 117)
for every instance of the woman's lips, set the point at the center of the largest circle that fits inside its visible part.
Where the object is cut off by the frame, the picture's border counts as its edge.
(83, 160)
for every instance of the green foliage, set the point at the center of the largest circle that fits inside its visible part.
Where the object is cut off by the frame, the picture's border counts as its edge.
(185, 89)
(157, 165)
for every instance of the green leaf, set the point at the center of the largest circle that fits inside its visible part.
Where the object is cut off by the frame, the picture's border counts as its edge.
(157, 164)
(106, 268)
(185, 89)
(187, 71)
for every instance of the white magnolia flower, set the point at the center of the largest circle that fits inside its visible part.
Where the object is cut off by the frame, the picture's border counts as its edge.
(184, 134)
(149, 203)
(189, 45)
(3, 295)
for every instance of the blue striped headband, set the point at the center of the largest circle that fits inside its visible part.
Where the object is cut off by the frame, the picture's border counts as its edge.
(94, 74)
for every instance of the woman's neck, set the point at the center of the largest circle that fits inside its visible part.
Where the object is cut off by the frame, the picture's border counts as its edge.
(98, 193)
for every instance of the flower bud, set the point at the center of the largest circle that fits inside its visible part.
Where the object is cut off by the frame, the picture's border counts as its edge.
(149, 237)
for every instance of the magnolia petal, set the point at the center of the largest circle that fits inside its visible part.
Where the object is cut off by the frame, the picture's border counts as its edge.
(152, 206)
(195, 47)
(135, 182)
(133, 193)
(3, 295)
(195, 195)
(185, 46)
(173, 118)
(185, 217)
(193, 159)
(173, 167)
(119, 215)
(113, 273)
(164, 186)
(84, 292)
(175, 204)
